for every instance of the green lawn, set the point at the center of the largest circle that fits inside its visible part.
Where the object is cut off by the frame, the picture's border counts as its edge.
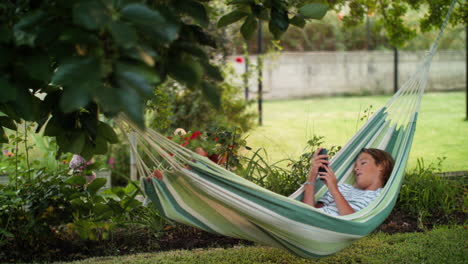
(442, 245)
(441, 131)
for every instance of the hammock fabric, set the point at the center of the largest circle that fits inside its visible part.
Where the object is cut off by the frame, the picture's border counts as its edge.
(214, 199)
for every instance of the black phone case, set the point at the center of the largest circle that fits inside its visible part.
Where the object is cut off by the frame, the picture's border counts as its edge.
(323, 152)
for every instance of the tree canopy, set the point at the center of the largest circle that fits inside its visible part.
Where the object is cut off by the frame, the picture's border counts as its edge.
(63, 63)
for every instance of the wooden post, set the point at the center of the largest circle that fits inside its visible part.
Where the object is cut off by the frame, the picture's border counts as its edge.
(133, 167)
(395, 69)
(260, 73)
(246, 70)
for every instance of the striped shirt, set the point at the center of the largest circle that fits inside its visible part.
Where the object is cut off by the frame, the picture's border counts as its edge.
(357, 198)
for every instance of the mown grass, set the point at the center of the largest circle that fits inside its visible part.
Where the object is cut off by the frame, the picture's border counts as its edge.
(441, 245)
(441, 130)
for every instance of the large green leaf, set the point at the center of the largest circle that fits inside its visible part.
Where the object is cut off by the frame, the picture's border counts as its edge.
(75, 36)
(26, 105)
(249, 27)
(103, 210)
(142, 53)
(187, 71)
(7, 91)
(158, 26)
(38, 67)
(76, 144)
(7, 122)
(30, 20)
(298, 21)
(23, 31)
(195, 10)
(3, 137)
(190, 49)
(74, 98)
(123, 34)
(72, 72)
(76, 180)
(132, 105)
(314, 10)
(107, 132)
(230, 18)
(142, 15)
(137, 77)
(213, 71)
(77, 90)
(92, 15)
(53, 128)
(212, 94)
(108, 99)
(279, 22)
(101, 146)
(203, 37)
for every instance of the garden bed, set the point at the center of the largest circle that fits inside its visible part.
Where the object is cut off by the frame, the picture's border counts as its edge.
(137, 240)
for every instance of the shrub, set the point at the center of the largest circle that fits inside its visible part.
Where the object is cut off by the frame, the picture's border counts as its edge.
(279, 178)
(37, 215)
(429, 197)
(191, 111)
(270, 176)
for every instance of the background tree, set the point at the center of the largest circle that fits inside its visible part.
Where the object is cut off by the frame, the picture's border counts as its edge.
(63, 63)
(85, 58)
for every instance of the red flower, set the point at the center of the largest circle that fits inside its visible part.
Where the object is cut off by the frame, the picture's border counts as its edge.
(172, 154)
(195, 135)
(184, 144)
(158, 174)
(239, 59)
(169, 137)
(216, 139)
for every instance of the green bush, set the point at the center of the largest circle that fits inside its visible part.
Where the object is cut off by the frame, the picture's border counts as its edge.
(191, 111)
(431, 198)
(270, 176)
(277, 177)
(40, 213)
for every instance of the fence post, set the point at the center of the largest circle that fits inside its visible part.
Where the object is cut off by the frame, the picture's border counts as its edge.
(133, 167)
(395, 69)
(260, 73)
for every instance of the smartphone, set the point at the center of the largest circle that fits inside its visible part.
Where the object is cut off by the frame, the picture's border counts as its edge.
(324, 151)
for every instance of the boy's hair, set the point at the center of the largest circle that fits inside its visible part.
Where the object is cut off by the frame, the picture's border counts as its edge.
(381, 158)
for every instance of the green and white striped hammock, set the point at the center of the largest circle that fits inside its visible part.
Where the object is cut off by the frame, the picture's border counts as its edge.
(216, 200)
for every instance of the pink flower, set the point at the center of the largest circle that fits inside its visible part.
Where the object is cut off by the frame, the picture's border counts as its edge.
(239, 59)
(77, 161)
(111, 162)
(340, 16)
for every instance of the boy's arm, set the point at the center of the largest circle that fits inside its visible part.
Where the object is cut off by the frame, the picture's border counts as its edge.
(343, 206)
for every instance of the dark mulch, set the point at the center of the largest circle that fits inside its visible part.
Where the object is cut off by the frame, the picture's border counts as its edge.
(137, 240)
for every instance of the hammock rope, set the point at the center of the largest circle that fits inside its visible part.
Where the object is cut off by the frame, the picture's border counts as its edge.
(197, 192)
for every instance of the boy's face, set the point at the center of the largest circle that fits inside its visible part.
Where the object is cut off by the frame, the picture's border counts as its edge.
(368, 174)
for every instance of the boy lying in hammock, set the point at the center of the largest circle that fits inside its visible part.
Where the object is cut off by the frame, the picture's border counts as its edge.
(372, 169)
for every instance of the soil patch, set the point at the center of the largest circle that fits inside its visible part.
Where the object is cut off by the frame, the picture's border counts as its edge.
(139, 240)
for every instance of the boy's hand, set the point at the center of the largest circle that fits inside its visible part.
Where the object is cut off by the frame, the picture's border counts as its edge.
(329, 178)
(317, 161)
